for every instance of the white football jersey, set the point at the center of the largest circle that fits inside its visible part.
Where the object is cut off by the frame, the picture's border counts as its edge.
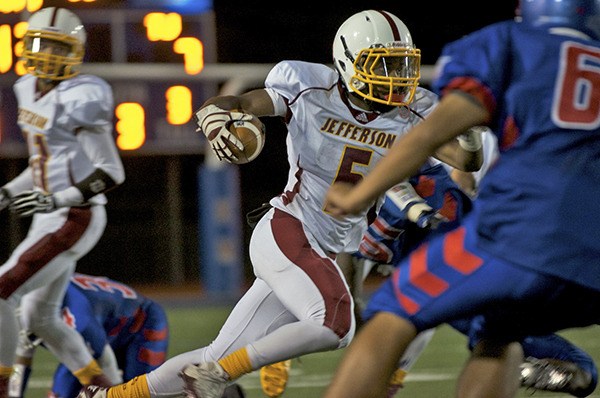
(68, 132)
(331, 140)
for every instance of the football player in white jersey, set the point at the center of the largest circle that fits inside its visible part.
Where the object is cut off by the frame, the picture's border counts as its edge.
(66, 119)
(341, 121)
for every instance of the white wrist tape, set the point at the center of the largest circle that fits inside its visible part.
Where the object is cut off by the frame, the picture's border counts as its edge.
(416, 210)
(470, 140)
(405, 197)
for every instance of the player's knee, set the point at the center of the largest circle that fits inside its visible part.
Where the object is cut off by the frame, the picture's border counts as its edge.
(322, 336)
(41, 321)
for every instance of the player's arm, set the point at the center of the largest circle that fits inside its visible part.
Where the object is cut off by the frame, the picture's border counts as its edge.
(217, 113)
(108, 174)
(464, 153)
(466, 181)
(91, 122)
(455, 114)
(256, 102)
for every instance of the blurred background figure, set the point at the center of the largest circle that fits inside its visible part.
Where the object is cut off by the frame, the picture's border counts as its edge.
(67, 119)
(127, 333)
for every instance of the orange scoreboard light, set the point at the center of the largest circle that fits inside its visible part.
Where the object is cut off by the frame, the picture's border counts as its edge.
(147, 110)
(15, 6)
(130, 125)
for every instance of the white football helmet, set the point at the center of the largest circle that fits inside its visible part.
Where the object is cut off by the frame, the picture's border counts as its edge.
(54, 44)
(374, 54)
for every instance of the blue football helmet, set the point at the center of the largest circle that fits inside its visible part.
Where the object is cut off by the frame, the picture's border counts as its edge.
(582, 15)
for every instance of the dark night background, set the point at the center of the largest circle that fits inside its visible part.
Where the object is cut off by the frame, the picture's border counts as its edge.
(304, 30)
(132, 248)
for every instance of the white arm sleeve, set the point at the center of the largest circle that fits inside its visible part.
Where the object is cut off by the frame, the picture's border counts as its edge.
(278, 102)
(89, 111)
(102, 151)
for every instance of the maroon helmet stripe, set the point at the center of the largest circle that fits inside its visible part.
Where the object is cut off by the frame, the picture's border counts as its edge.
(54, 16)
(392, 25)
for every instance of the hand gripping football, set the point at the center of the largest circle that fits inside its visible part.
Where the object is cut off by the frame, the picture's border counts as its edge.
(251, 132)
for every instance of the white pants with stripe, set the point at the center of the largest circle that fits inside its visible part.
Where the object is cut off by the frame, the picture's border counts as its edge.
(298, 304)
(36, 276)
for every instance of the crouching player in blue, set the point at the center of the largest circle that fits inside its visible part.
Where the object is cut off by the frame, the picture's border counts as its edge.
(127, 333)
(431, 204)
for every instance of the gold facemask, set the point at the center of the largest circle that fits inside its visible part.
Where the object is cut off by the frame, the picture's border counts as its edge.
(388, 76)
(52, 64)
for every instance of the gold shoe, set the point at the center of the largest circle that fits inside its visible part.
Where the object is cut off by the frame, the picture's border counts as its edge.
(274, 377)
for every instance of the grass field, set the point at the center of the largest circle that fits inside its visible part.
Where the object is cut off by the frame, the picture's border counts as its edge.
(433, 376)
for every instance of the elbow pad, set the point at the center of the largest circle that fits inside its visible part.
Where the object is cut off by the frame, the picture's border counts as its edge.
(96, 183)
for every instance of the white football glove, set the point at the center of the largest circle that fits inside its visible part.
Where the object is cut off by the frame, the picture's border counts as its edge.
(4, 199)
(415, 207)
(28, 202)
(214, 122)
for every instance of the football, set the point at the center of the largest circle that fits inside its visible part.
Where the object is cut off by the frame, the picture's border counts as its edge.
(252, 135)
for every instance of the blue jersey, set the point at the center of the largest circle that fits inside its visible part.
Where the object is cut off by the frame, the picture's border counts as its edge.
(537, 207)
(391, 236)
(107, 311)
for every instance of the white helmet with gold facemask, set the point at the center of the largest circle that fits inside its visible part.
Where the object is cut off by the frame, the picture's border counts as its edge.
(374, 53)
(54, 44)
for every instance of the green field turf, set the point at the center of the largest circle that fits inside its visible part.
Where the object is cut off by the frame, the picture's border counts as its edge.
(433, 376)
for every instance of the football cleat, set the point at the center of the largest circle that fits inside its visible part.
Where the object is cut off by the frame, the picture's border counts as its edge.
(555, 375)
(274, 378)
(205, 380)
(93, 392)
(396, 382)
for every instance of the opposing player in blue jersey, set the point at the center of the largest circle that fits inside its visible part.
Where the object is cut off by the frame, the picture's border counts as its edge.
(527, 257)
(127, 333)
(552, 362)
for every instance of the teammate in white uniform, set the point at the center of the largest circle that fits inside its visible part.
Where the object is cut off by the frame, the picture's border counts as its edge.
(67, 121)
(340, 124)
